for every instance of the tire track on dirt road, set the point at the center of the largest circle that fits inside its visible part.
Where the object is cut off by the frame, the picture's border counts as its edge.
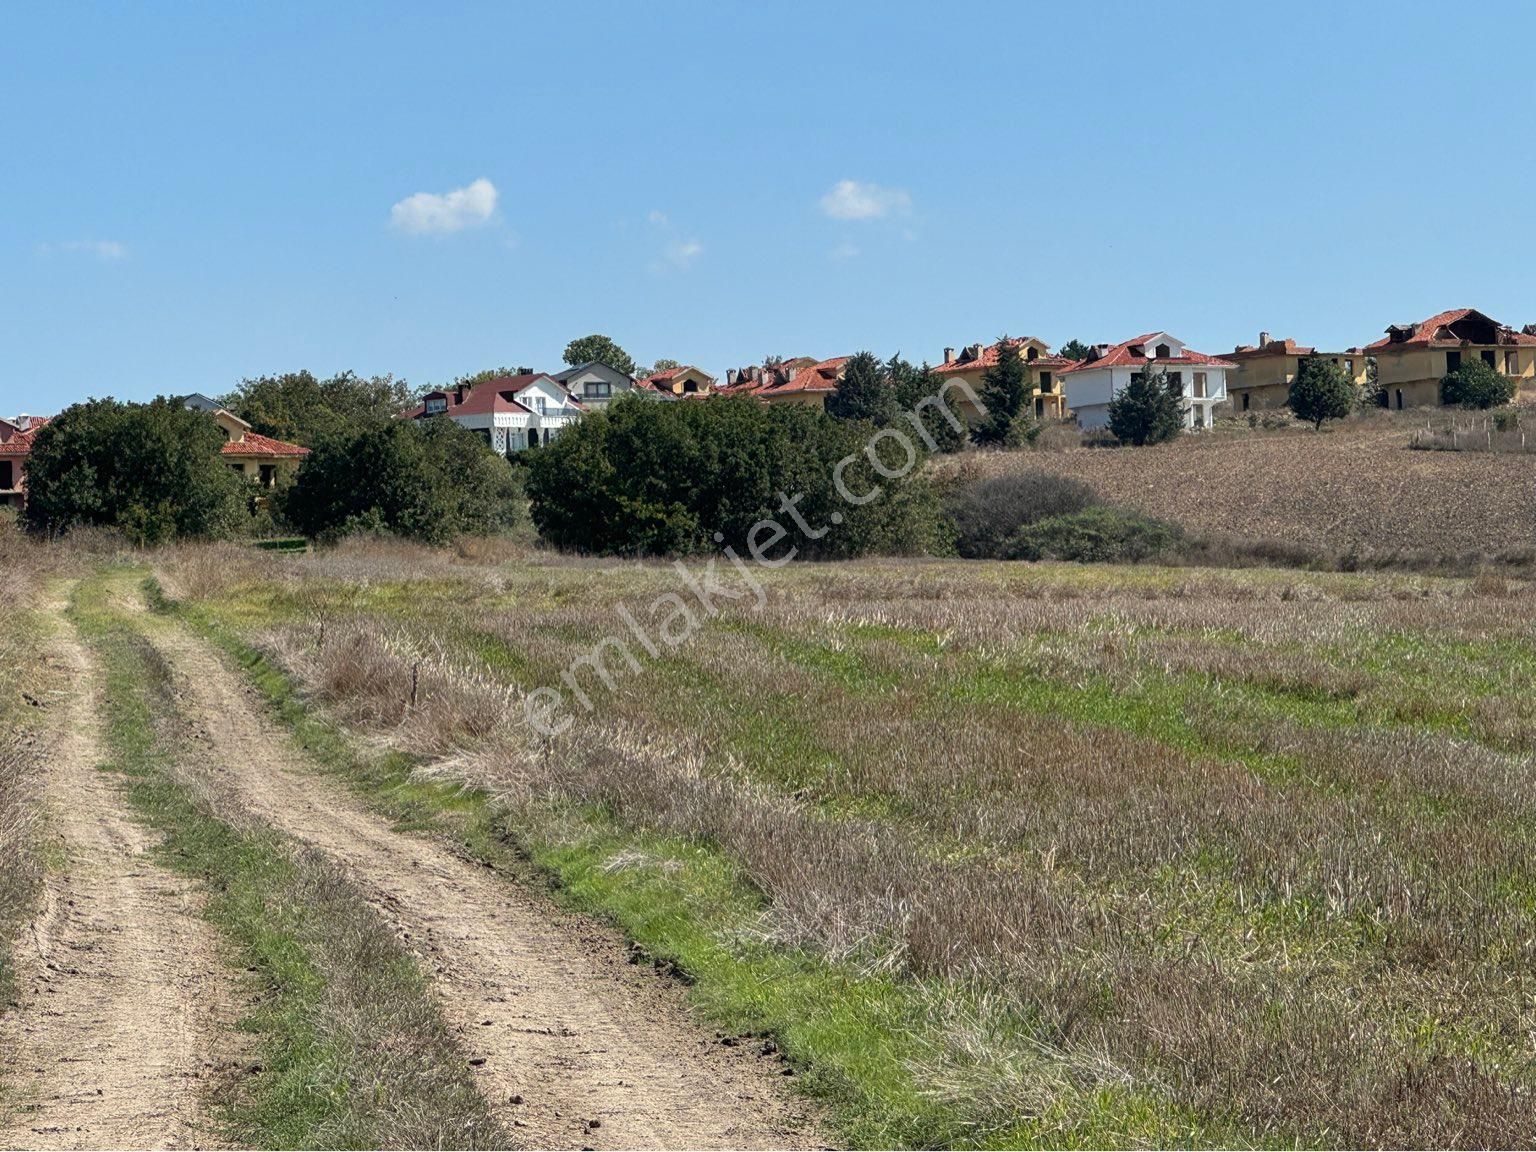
(573, 1045)
(123, 998)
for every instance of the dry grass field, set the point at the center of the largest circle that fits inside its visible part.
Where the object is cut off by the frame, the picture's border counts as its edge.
(1354, 486)
(1006, 854)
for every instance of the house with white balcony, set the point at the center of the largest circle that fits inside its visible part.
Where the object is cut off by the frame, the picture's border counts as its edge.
(511, 412)
(1109, 369)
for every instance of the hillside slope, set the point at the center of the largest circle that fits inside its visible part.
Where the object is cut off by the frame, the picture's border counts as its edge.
(1356, 486)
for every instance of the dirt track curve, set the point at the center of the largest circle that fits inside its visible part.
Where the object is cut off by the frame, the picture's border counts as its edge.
(599, 1053)
(122, 995)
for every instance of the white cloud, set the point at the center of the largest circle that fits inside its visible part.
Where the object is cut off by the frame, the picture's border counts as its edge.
(853, 200)
(682, 252)
(432, 212)
(845, 251)
(108, 250)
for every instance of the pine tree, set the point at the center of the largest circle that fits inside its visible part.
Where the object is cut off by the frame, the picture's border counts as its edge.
(864, 392)
(1148, 410)
(1003, 390)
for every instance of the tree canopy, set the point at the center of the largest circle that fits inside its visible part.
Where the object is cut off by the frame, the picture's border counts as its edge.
(1476, 384)
(427, 480)
(915, 387)
(864, 392)
(676, 479)
(1148, 410)
(1074, 350)
(152, 470)
(1004, 387)
(586, 349)
(1321, 390)
(302, 408)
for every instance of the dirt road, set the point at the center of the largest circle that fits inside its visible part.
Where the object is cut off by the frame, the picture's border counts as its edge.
(573, 1045)
(123, 999)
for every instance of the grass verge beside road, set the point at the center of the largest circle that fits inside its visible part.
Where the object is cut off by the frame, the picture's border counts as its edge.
(351, 1050)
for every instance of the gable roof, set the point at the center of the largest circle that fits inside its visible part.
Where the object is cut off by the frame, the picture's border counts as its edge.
(989, 354)
(1436, 332)
(1122, 354)
(490, 396)
(18, 444)
(821, 376)
(561, 377)
(255, 444)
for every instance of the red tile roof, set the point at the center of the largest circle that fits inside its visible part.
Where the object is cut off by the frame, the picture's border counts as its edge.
(821, 376)
(1429, 332)
(1286, 347)
(1121, 354)
(989, 356)
(18, 445)
(255, 444)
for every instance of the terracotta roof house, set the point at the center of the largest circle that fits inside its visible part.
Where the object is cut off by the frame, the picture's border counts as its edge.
(1412, 358)
(1264, 371)
(252, 455)
(1042, 368)
(801, 380)
(511, 412)
(15, 446)
(684, 380)
(1092, 383)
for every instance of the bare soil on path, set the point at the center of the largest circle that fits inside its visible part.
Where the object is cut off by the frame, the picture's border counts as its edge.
(573, 1045)
(123, 999)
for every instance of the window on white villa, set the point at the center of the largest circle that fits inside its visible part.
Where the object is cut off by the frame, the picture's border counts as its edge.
(1176, 382)
(1163, 352)
(599, 388)
(1200, 385)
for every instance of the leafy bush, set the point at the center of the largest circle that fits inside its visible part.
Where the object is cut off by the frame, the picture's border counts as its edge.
(1476, 385)
(426, 480)
(675, 479)
(303, 409)
(152, 470)
(985, 516)
(1098, 535)
(1321, 390)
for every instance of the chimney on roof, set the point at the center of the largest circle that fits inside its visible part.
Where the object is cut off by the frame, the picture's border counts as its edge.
(1263, 339)
(949, 355)
(974, 351)
(730, 376)
(458, 395)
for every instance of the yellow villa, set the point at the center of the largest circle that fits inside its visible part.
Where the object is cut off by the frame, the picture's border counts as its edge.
(682, 381)
(1047, 399)
(254, 456)
(1265, 370)
(1412, 358)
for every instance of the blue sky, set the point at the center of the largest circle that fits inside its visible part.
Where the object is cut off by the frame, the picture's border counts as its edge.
(190, 195)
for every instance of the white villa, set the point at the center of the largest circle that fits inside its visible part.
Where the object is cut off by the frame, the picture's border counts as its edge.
(511, 412)
(1092, 383)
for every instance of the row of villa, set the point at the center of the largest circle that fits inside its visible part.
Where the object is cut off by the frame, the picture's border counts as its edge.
(530, 408)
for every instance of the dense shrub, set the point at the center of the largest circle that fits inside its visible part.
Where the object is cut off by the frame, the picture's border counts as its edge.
(986, 515)
(152, 470)
(1476, 385)
(426, 480)
(673, 479)
(1099, 535)
(301, 408)
(1321, 390)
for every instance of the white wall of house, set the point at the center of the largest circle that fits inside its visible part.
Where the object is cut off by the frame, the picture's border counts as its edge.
(1089, 392)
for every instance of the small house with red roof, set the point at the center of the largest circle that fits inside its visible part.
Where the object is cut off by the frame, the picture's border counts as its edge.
(1264, 371)
(675, 383)
(15, 446)
(256, 457)
(799, 380)
(510, 412)
(1043, 370)
(1109, 369)
(1412, 358)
